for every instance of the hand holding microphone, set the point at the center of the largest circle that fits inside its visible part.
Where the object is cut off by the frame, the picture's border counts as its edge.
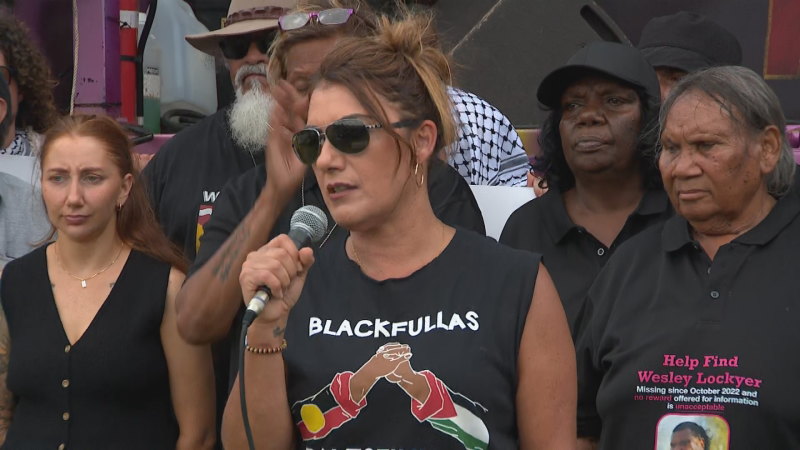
(278, 270)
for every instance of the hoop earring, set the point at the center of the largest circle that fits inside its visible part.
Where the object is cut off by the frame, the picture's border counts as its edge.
(421, 178)
(119, 207)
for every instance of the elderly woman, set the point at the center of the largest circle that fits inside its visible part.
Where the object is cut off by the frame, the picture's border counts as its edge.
(688, 317)
(603, 184)
(409, 333)
(32, 108)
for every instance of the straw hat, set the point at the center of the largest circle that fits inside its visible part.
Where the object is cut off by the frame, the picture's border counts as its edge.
(244, 16)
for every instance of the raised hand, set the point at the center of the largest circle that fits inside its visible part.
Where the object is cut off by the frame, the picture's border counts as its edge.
(288, 116)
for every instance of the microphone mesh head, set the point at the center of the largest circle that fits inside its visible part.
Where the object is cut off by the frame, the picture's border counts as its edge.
(313, 218)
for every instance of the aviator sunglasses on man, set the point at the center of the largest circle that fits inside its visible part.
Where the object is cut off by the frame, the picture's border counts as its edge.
(236, 47)
(333, 16)
(349, 135)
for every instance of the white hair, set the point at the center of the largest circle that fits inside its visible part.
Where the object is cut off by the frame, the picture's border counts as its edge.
(249, 115)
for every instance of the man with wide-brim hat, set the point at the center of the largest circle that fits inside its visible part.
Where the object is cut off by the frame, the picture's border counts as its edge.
(186, 175)
(685, 42)
(244, 17)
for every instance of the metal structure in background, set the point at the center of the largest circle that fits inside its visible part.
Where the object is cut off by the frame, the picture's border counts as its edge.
(98, 74)
(504, 48)
(98, 80)
(769, 30)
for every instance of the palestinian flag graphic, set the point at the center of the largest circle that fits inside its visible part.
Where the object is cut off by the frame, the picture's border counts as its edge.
(449, 417)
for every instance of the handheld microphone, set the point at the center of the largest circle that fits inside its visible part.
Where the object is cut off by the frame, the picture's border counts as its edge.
(308, 224)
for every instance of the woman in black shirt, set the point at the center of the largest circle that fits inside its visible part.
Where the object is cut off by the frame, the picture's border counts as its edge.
(603, 186)
(94, 359)
(695, 320)
(409, 333)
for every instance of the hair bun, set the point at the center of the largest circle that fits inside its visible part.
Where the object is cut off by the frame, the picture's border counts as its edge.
(413, 35)
(402, 62)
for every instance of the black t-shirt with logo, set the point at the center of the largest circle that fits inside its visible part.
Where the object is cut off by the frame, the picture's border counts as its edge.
(451, 199)
(461, 315)
(674, 337)
(573, 256)
(185, 177)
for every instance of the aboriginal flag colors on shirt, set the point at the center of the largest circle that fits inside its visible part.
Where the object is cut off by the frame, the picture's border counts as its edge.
(426, 362)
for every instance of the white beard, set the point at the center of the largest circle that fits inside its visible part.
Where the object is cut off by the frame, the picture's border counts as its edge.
(249, 115)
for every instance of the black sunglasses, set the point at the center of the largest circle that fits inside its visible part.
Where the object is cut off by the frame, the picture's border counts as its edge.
(349, 135)
(236, 47)
(7, 73)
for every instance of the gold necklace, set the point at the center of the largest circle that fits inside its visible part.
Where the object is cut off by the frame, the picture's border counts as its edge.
(83, 280)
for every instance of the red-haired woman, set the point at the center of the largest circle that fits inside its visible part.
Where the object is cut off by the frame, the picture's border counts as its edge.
(96, 360)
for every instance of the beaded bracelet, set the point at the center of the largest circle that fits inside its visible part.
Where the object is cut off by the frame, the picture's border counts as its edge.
(266, 350)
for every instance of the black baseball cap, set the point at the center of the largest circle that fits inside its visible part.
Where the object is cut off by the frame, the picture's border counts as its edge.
(612, 59)
(689, 42)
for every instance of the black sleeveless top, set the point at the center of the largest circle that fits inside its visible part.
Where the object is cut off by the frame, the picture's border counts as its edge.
(461, 315)
(108, 390)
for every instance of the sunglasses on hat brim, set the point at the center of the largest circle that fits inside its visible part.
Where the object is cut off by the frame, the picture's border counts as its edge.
(349, 135)
(333, 16)
(236, 47)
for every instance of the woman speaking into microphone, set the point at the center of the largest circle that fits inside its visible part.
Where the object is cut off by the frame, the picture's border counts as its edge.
(409, 333)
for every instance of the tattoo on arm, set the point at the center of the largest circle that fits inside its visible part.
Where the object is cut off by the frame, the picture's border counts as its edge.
(231, 252)
(6, 399)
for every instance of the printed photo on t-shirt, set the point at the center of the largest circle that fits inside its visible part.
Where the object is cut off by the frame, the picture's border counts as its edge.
(692, 432)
